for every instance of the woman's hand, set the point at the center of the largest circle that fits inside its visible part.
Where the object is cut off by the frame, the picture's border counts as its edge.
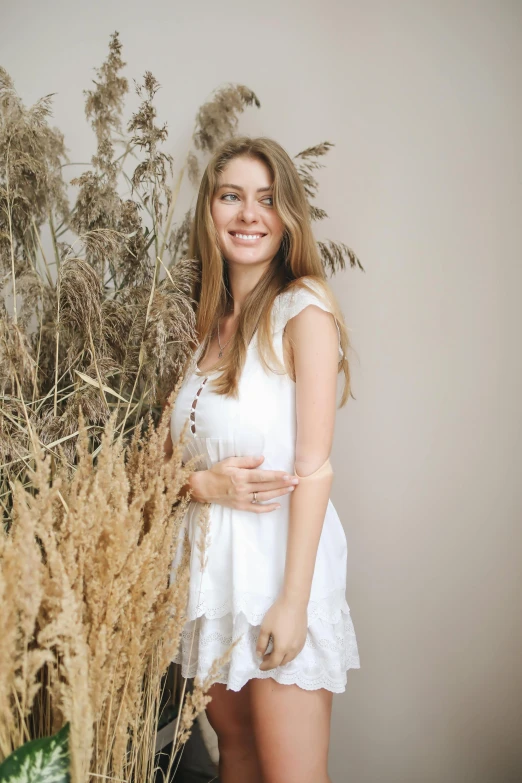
(287, 622)
(232, 482)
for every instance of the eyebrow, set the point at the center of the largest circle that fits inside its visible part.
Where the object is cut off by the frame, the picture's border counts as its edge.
(238, 187)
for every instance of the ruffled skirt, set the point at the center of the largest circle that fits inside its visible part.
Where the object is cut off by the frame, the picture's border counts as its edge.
(234, 583)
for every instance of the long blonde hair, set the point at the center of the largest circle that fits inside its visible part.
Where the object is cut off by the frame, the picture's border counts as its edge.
(296, 260)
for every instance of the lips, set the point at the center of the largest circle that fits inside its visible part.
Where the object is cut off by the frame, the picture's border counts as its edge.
(258, 234)
(246, 238)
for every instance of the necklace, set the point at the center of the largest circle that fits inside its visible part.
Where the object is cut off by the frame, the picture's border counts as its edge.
(222, 347)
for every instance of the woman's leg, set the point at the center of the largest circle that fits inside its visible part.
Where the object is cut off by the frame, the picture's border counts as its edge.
(230, 717)
(292, 729)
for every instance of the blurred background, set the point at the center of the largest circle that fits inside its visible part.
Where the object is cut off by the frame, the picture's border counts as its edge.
(422, 100)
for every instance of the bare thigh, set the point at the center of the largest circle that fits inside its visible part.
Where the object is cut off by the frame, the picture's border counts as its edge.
(292, 730)
(230, 716)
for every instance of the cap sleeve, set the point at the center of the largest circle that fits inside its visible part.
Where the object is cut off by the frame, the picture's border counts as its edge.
(289, 303)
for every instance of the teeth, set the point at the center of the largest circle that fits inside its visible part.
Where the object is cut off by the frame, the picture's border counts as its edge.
(248, 236)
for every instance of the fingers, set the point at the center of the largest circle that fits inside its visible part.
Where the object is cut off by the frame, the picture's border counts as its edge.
(276, 657)
(277, 478)
(262, 642)
(272, 661)
(245, 497)
(244, 480)
(260, 506)
(274, 493)
(266, 490)
(246, 462)
(254, 508)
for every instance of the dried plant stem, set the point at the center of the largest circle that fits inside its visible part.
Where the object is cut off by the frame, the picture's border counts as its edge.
(43, 400)
(11, 239)
(24, 408)
(129, 148)
(46, 266)
(178, 718)
(38, 348)
(100, 382)
(110, 745)
(57, 347)
(55, 246)
(170, 215)
(109, 717)
(142, 353)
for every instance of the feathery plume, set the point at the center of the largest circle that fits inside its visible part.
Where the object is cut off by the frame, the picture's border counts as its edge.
(217, 119)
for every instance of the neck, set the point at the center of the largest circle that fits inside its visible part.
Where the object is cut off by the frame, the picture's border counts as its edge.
(243, 279)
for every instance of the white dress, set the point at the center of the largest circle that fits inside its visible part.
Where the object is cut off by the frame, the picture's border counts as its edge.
(245, 551)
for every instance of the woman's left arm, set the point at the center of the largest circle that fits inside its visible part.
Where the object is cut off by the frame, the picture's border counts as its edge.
(314, 338)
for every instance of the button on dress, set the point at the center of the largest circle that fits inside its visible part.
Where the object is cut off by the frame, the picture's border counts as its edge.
(241, 573)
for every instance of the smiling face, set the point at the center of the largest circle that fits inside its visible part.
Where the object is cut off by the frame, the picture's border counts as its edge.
(249, 229)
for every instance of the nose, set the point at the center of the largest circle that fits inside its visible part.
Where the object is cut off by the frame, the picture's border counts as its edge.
(248, 211)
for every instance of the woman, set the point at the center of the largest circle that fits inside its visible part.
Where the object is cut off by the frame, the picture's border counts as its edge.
(261, 389)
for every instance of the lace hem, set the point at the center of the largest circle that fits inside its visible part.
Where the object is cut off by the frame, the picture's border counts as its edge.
(214, 604)
(306, 683)
(329, 651)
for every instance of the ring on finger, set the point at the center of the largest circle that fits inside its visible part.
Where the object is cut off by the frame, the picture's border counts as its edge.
(254, 499)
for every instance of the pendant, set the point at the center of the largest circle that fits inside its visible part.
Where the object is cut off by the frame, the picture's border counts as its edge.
(220, 354)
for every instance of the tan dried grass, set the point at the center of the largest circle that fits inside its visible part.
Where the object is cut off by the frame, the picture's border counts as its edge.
(90, 619)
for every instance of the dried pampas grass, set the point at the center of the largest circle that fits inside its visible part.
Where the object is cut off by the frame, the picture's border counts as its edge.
(90, 619)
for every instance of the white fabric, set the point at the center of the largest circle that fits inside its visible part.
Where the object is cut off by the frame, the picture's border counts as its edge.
(246, 551)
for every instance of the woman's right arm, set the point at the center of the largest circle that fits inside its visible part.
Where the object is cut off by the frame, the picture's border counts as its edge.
(232, 482)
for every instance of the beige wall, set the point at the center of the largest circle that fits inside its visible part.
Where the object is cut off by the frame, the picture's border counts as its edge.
(423, 100)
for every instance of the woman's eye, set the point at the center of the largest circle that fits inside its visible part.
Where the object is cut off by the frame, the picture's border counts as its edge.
(233, 197)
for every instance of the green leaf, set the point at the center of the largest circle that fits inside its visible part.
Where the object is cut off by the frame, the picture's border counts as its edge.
(43, 760)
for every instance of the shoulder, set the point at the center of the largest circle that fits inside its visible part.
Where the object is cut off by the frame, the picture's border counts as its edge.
(296, 299)
(290, 302)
